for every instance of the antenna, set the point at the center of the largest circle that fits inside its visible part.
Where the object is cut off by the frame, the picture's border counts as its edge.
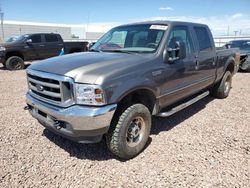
(2, 15)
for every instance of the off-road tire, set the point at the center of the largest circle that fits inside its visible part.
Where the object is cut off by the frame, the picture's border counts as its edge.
(14, 63)
(221, 89)
(245, 66)
(116, 137)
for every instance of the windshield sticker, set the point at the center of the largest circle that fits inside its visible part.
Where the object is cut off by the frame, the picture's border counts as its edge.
(159, 27)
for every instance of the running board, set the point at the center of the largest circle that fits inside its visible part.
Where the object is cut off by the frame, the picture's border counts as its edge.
(182, 106)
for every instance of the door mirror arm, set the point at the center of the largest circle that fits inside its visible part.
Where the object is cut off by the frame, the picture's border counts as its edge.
(172, 54)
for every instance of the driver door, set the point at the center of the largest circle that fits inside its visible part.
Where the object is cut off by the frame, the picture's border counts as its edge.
(179, 75)
(34, 48)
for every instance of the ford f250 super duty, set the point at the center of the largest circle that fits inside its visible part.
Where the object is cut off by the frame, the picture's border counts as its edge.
(132, 73)
(35, 46)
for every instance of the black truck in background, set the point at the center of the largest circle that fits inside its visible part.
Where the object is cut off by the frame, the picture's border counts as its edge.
(244, 48)
(36, 47)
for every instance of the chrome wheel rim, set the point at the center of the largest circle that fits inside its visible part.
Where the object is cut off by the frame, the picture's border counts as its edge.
(135, 131)
(15, 64)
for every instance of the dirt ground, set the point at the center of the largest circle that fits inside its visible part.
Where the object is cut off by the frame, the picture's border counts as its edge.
(205, 145)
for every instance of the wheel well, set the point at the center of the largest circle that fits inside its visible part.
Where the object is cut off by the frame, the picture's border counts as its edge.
(10, 54)
(230, 67)
(143, 96)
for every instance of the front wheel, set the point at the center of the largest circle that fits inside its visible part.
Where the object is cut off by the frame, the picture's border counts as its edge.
(128, 135)
(221, 89)
(14, 63)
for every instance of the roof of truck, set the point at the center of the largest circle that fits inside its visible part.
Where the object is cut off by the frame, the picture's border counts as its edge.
(164, 22)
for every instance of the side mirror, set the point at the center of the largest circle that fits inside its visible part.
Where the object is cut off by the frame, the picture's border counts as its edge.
(29, 41)
(176, 53)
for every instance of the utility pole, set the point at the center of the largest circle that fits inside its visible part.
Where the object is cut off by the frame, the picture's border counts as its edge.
(1, 15)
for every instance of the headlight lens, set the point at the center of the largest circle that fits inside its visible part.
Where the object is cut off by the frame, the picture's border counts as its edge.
(89, 94)
(2, 48)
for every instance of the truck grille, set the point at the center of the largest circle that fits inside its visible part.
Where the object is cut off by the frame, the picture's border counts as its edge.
(50, 88)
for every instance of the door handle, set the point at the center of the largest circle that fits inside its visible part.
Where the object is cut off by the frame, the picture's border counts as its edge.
(197, 65)
(60, 44)
(41, 45)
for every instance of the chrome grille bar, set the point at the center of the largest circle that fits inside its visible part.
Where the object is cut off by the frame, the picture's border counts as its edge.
(44, 92)
(44, 83)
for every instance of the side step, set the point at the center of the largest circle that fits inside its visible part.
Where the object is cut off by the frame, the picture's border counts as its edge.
(182, 106)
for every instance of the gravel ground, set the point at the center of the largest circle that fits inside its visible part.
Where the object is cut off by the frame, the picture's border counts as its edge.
(205, 145)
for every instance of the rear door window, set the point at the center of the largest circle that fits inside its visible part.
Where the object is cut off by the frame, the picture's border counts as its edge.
(203, 38)
(51, 38)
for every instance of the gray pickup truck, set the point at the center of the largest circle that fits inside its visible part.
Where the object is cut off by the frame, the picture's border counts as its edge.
(132, 73)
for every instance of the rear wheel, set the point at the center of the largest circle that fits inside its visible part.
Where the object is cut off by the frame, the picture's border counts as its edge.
(129, 134)
(221, 89)
(14, 63)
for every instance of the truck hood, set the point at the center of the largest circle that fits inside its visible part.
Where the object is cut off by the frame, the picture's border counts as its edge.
(11, 45)
(88, 67)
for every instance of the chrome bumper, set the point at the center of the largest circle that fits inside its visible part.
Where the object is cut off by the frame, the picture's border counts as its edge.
(79, 123)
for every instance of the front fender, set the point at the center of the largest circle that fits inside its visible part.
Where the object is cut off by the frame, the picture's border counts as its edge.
(124, 88)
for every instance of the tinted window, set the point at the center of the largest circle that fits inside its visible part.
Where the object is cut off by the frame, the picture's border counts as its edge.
(51, 38)
(36, 38)
(243, 45)
(203, 38)
(181, 34)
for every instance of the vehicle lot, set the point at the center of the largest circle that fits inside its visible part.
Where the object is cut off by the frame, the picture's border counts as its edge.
(205, 145)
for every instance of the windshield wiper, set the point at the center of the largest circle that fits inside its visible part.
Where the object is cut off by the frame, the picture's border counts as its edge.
(120, 51)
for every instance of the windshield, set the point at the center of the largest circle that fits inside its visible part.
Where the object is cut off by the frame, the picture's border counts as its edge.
(243, 45)
(135, 38)
(20, 38)
(12, 39)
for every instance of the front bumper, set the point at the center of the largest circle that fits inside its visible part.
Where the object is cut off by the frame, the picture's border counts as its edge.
(78, 123)
(2, 57)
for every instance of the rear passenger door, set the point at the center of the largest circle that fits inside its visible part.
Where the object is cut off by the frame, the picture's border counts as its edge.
(53, 45)
(205, 56)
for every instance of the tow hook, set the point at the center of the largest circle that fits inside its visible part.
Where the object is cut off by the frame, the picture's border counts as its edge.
(58, 125)
(27, 108)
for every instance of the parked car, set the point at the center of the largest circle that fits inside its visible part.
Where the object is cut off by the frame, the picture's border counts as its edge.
(132, 73)
(244, 46)
(35, 47)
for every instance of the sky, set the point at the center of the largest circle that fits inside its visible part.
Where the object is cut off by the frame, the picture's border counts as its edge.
(221, 15)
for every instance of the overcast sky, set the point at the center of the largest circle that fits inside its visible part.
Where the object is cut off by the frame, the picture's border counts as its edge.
(220, 15)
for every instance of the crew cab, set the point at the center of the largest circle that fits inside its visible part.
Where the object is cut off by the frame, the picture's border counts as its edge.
(132, 73)
(35, 47)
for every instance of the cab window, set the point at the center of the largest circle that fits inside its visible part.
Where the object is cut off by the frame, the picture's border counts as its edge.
(36, 38)
(181, 34)
(203, 38)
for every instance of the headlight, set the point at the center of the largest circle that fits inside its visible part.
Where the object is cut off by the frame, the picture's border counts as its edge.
(2, 48)
(89, 94)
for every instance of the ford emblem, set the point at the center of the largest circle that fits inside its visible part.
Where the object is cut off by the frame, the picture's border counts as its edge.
(39, 87)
